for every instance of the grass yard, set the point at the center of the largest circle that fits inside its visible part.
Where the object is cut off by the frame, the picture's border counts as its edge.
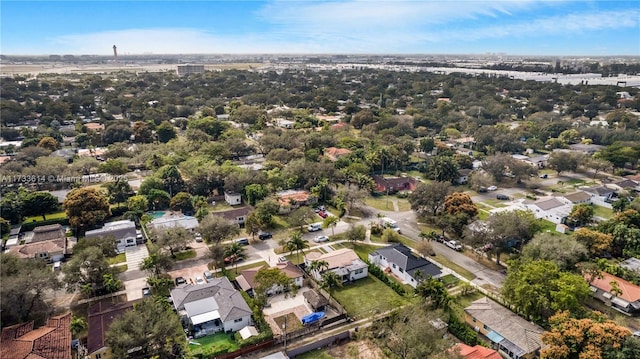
(460, 302)
(547, 226)
(495, 203)
(231, 273)
(120, 258)
(453, 266)
(215, 340)
(293, 322)
(57, 215)
(482, 206)
(359, 300)
(191, 253)
(483, 214)
(295, 259)
(449, 280)
(382, 203)
(603, 212)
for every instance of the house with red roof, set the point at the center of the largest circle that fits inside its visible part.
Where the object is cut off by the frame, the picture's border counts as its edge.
(333, 153)
(615, 291)
(475, 352)
(50, 341)
(100, 317)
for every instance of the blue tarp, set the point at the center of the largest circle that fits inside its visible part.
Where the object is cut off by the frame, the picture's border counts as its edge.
(312, 318)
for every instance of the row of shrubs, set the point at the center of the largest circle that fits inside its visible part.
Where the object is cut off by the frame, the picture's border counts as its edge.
(29, 226)
(378, 273)
(462, 331)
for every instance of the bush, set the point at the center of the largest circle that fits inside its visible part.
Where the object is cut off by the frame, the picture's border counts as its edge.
(29, 226)
(378, 273)
(119, 211)
(462, 331)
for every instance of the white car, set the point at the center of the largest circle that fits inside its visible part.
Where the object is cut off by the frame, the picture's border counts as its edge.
(455, 245)
(319, 239)
(199, 280)
(492, 188)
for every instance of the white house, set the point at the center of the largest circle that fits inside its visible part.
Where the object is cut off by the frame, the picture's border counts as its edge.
(123, 231)
(344, 262)
(187, 222)
(404, 264)
(233, 198)
(552, 209)
(212, 307)
(284, 123)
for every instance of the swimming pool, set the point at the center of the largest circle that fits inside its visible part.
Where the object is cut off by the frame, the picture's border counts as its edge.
(156, 214)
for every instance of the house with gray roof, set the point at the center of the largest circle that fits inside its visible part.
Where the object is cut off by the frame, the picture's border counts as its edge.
(164, 223)
(212, 307)
(578, 197)
(124, 233)
(399, 260)
(551, 209)
(510, 334)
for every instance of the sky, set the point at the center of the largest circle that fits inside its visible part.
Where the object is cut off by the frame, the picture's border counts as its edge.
(516, 27)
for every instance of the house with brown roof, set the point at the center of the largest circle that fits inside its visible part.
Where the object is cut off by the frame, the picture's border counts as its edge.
(50, 341)
(100, 317)
(333, 153)
(509, 334)
(292, 199)
(237, 215)
(316, 300)
(246, 279)
(94, 127)
(475, 352)
(47, 233)
(579, 197)
(623, 296)
(394, 184)
(49, 251)
(344, 262)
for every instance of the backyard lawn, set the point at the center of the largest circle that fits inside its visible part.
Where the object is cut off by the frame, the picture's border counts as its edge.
(359, 301)
(120, 258)
(191, 253)
(295, 259)
(603, 212)
(385, 203)
(57, 215)
(216, 340)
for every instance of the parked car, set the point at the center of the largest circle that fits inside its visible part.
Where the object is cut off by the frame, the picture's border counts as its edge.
(314, 227)
(207, 275)
(264, 235)
(440, 238)
(242, 241)
(502, 197)
(544, 176)
(198, 237)
(320, 239)
(322, 214)
(180, 280)
(492, 188)
(482, 189)
(455, 245)
(146, 292)
(282, 259)
(199, 280)
(232, 258)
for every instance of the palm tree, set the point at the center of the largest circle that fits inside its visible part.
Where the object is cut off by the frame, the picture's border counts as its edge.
(78, 325)
(296, 243)
(318, 266)
(331, 221)
(330, 281)
(235, 252)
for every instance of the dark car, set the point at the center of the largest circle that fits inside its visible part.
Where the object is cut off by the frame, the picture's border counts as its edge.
(264, 235)
(180, 280)
(146, 292)
(502, 197)
(482, 189)
(242, 241)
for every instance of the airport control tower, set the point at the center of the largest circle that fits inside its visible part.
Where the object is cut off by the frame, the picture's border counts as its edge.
(115, 53)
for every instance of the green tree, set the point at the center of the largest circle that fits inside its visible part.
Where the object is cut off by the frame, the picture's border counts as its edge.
(235, 252)
(300, 217)
(442, 169)
(119, 191)
(86, 207)
(106, 244)
(538, 289)
(434, 292)
(24, 288)
(215, 229)
(171, 179)
(181, 202)
(269, 281)
(86, 271)
(581, 214)
(565, 161)
(330, 281)
(138, 203)
(255, 192)
(564, 252)
(297, 243)
(165, 132)
(157, 262)
(142, 132)
(318, 266)
(428, 198)
(150, 326)
(331, 221)
(158, 199)
(173, 239)
(78, 325)
(5, 227)
(39, 204)
(356, 234)
(114, 167)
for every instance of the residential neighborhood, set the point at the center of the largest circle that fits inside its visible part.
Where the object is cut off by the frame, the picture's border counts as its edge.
(286, 211)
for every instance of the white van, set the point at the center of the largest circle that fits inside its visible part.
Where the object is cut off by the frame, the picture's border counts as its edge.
(314, 227)
(387, 222)
(57, 266)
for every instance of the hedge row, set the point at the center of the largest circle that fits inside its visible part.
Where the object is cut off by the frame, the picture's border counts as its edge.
(378, 273)
(29, 226)
(462, 331)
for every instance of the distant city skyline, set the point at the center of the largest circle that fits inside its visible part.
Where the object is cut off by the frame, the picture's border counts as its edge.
(514, 27)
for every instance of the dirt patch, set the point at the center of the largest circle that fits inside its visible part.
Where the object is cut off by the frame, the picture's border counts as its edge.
(362, 349)
(293, 322)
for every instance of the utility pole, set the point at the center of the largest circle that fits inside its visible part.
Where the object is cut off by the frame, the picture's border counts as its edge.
(284, 326)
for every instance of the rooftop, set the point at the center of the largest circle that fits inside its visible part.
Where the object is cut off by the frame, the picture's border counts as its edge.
(337, 259)
(51, 341)
(49, 232)
(100, 317)
(628, 291)
(30, 250)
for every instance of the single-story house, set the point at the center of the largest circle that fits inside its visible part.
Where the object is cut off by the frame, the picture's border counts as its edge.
(124, 233)
(233, 198)
(292, 199)
(394, 184)
(625, 184)
(513, 336)
(344, 262)
(246, 279)
(463, 175)
(316, 300)
(399, 260)
(632, 263)
(49, 251)
(237, 215)
(475, 352)
(163, 223)
(47, 233)
(589, 149)
(551, 209)
(602, 195)
(50, 341)
(333, 153)
(212, 307)
(579, 197)
(99, 318)
(627, 300)
(284, 123)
